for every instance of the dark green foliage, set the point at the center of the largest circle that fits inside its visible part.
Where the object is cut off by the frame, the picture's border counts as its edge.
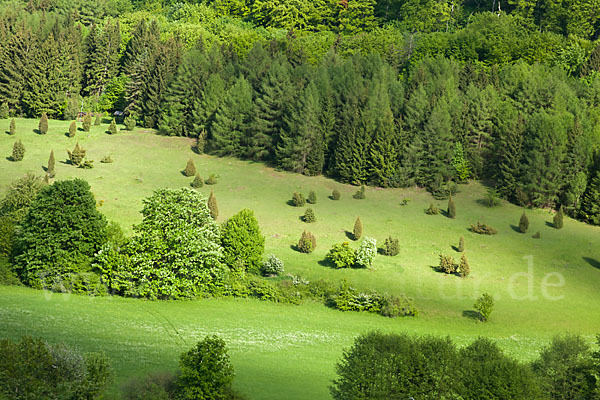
(60, 233)
(18, 151)
(358, 229)
(72, 129)
(198, 182)
(537, 235)
(50, 169)
(360, 194)
(43, 125)
(112, 128)
(190, 168)
(298, 200)
(341, 255)
(461, 244)
(463, 268)
(523, 223)
(98, 119)
(4, 111)
(312, 197)
(87, 121)
(558, 218)
(212, 205)
(129, 122)
(447, 264)
(211, 180)
(309, 216)
(12, 130)
(391, 247)
(451, 208)
(205, 371)
(590, 204)
(432, 210)
(484, 305)
(307, 242)
(483, 229)
(335, 194)
(243, 244)
(348, 298)
(77, 156)
(34, 369)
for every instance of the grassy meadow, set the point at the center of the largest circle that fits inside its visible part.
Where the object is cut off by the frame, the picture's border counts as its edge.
(542, 286)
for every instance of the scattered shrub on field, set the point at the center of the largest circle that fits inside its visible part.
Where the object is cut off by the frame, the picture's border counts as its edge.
(106, 160)
(451, 208)
(43, 124)
(358, 229)
(432, 210)
(447, 264)
(307, 242)
(13, 127)
(309, 216)
(212, 205)
(76, 156)
(393, 306)
(190, 168)
(461, 244)
(335, 194)
(112, 128)
(197, 182)
(72, 129)
(558, 218)
(18, 151)
(312, 197)
(4, 111)
(366, 253)
(463, 268)
(87, 121)
(212, 180)
(200, 142)
(537, 235)
(484, 305)
(523, 223)
(50, 169)
(342, 255)
(391, 247)
(272, 266)
(98, 119)
(129, 123)
(360, 194)
(243, 244)
(483, 229)
(298, 200)
(492, 199)
(404, 201)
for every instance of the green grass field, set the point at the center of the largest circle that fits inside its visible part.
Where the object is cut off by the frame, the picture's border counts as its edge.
(286, 351)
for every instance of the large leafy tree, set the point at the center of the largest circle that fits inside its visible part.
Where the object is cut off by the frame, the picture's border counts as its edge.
(60, 233)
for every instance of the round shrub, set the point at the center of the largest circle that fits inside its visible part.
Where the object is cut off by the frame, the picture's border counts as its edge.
(523, 223)
(298, 200)
(272, 266)
(366, 253)
(309, 216)
(335, 195)
(342, 255)
(18, 151)
(190, 168)
(312, 197)
(197, 182)
(307, 242)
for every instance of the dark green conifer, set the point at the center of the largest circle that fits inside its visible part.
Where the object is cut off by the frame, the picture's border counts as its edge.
(523, 223)
(13, 128)
(558, 218)
(190, 168)
(198, 181)
(461, 244)
(50, 170)
(309, 216)
(72, 129)
(590, 204)
(312, 197)
(358, 229)
(43, 124)
(18, 151)
(451, 208)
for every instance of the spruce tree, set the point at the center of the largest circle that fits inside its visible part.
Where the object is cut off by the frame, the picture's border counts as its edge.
(76, 156)
(129, 122)
(307, 242)
(50, 170)
(190, 168)
(87, 121)
(463, 268)
(558, 218)
(198, 181)
(112, 128)
(43, 124)
(212, 205)
(13, 128)
(312, 197)
(523, 223)
(18, 151)
(309, 216)
(461, 244)
(358, 228)
(72, 128)
(590, 203)
(451, 208)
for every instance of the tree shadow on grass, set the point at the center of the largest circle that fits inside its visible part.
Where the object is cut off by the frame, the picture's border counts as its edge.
(472, 314)
(593, 262)
(326, 263)
(550, 224)
(455, 248)
(291, 203)
(349, 235)
(515, 228)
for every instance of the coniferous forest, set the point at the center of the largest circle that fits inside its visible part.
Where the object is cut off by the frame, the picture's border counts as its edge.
(383, 93)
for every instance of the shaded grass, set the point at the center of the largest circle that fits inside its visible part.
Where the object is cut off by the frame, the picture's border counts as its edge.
(296, 367)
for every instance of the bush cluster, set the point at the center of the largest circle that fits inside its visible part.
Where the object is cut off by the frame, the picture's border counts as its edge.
(298, 200)
(483, 229)
(366, 253)
(360, 194)
(341, 255)
(348, 298)
(307, 242)
(447, 264)
(432, 210)
(18, 151)
(391, 247)
(211, 180)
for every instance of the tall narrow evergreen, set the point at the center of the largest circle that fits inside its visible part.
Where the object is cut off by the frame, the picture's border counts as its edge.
(18, 151)
(87, 121)
(523, 223)
(13, 127)
(112, 128)
(590, 203)
(190, 168)
(212, 205)
(43, 124)
(72, 128)
(558, 218)
(358, 228)
(451, 208)
(50, 169)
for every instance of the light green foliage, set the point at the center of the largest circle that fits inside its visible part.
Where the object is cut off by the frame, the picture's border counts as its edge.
(43, 125)
(129, 122)
(205, 371)
(98, 119)
(18, 151)
(341, 255)
(272, 266)
(176, 250)
(484, 305)
(243, 244)
(112, 128)
(366, 253)
(72, 129)
(307, 242)
(491, 198)
(87, 121)
(463, 268)
(190, 168)
(523, 223)
(447, 264)
(309, 216)
(77, 156)
(33, 369)
(60, 233)
(460, 163)
(4, 111)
